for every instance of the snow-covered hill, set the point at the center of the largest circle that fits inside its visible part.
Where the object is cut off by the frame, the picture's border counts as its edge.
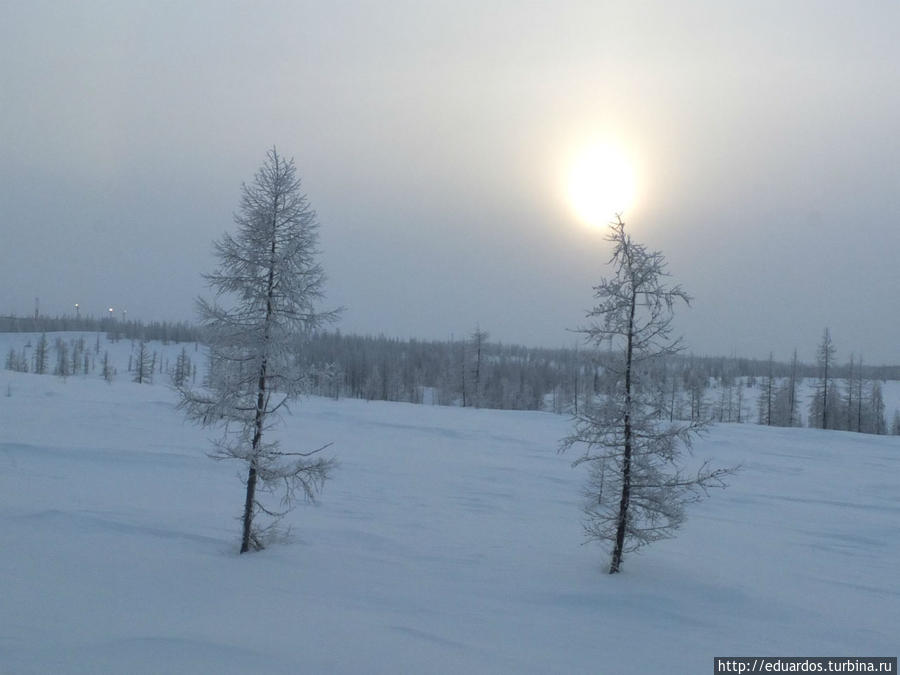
(447, 542)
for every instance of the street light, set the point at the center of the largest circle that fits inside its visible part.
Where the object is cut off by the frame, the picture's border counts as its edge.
(76, 310)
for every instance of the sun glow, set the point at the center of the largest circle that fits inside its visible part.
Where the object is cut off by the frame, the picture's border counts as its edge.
(601, 184)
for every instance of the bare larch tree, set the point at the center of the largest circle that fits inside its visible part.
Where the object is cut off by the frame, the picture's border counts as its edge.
(479, 338)
(267, 284)
(637, 488)
(823, 407)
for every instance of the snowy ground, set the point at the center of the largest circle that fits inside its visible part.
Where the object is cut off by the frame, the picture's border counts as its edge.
(447, 542)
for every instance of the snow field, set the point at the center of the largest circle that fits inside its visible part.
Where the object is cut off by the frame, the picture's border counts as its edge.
(448, 541)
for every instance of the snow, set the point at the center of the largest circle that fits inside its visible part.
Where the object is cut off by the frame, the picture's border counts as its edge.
(448, 541)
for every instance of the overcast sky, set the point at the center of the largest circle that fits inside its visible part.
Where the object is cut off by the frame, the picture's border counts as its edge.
(434, 140)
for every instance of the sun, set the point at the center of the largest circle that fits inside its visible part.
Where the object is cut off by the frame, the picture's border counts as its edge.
(601, 184)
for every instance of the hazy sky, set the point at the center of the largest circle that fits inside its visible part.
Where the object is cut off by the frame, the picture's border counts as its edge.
(434, 140)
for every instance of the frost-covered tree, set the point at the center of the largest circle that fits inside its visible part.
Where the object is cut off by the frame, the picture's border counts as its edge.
(479, 338)
(463, 380)
(637, 487)
(785, 412)
(849, 402)
(107, 369)
(143, 365)
(787, 396)
(767, 395)
(16, 361)
(182, 369)
(874, 421)
(78, 350)
(696, 385)
(62, 359)
(40, 355)
(267, 284)
(823, 409)
(740, 402)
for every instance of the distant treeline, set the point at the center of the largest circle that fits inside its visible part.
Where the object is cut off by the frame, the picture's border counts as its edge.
(474, 372)
(115, 328)
(471, 373)
(725, 367)
(477, 373)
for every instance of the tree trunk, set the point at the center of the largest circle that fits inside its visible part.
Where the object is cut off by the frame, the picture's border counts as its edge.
(248, 508)
(825, 395)
(464, 378)
(622, 521)
(250, 499)
(793, 387)
(859, 392)
(672, 406)
(478, 373)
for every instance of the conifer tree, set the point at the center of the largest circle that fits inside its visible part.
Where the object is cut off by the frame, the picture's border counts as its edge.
(267, 282)
(637, 489)
(823, 408)
(143, 366)
(40, 355)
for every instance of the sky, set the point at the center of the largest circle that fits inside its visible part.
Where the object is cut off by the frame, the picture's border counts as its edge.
(436, 141)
